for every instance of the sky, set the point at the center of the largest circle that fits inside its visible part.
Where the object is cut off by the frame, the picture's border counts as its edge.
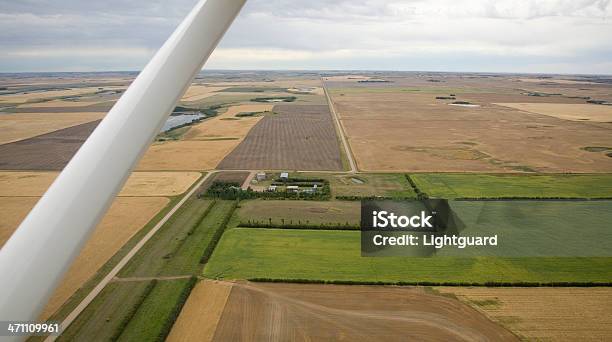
(534, 36)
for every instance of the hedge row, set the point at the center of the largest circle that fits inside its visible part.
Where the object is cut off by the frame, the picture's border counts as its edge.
(433, 283)
(372, 198)
(217, 236)
(420, 194)
(322, 226)
(515, 198)
(171, 319)
(124, 322)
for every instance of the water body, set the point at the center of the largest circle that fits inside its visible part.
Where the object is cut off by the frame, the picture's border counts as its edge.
(181, 119)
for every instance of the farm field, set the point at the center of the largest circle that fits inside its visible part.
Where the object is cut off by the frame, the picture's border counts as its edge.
(425, 134)
(247, 253)
(295, 212)
(124, 219)
(50, 151)
(227, 125)
(441, 185)
(544, 314)
(565, 111)
(176, 250)
(202, 311)
(188, 155)
(24, 183)
(352, 313)
(21, 126)
(154, 317)
(299, 137)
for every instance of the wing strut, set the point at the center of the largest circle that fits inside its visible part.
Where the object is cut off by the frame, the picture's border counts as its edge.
(35, 258)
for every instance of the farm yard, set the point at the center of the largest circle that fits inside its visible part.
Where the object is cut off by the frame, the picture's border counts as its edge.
(298, 137)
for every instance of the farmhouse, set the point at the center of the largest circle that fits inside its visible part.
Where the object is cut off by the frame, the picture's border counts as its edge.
(284, 176)
(260, 176)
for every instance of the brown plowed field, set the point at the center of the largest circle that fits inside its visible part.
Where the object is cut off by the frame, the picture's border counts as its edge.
(299, 137)
(295, 312)
(51, 151)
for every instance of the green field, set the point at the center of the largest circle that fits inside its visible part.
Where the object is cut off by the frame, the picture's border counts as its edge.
(294, 212)
(105, 316)
(245, 253)
(493, 186)
(177, 248)
(155, 316)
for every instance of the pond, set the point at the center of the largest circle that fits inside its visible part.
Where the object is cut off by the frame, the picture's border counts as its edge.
(180, 120)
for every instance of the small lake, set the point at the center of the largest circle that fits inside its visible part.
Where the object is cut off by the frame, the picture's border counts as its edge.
(181, 119)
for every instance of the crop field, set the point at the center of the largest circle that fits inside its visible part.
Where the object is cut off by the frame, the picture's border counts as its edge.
(21, 126)
(544, 314)
(199, 92)
(299, 137)
(425, 134)
(13, 210)
(494, 186)
(246, 253)
(370, 184)
(23, 98)
(256, 311)
(177, 248)
(153, 318)
(25, 183)
(186, 155)
(221, 128)
(573, 112)
(201, 314)
(58, 107)
(125, 218)
(50, 151)
(297, 212)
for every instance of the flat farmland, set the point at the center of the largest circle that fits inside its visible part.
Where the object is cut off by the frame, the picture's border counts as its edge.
(544, 314)
(294, 212)
(444, 185)
(201, 314)
(50, 151)
(390, 129)
(21, 126)
(299, 137)
(13, 210)
(573, 112)
(25, 183)
(246, 253)
(288, 312)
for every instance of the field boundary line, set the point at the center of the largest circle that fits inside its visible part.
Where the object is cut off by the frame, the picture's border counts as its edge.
(113, 273)
(347, 149)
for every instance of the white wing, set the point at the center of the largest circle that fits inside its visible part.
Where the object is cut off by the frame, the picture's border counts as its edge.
(35, 258)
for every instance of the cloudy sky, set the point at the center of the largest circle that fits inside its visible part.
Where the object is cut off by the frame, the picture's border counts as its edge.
(547, 36)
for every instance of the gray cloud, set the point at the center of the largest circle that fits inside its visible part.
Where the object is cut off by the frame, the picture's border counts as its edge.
(528, 35)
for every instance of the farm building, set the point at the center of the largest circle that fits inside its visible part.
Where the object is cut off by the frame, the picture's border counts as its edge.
(284, 176)
(260, 176)
(293, 188)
